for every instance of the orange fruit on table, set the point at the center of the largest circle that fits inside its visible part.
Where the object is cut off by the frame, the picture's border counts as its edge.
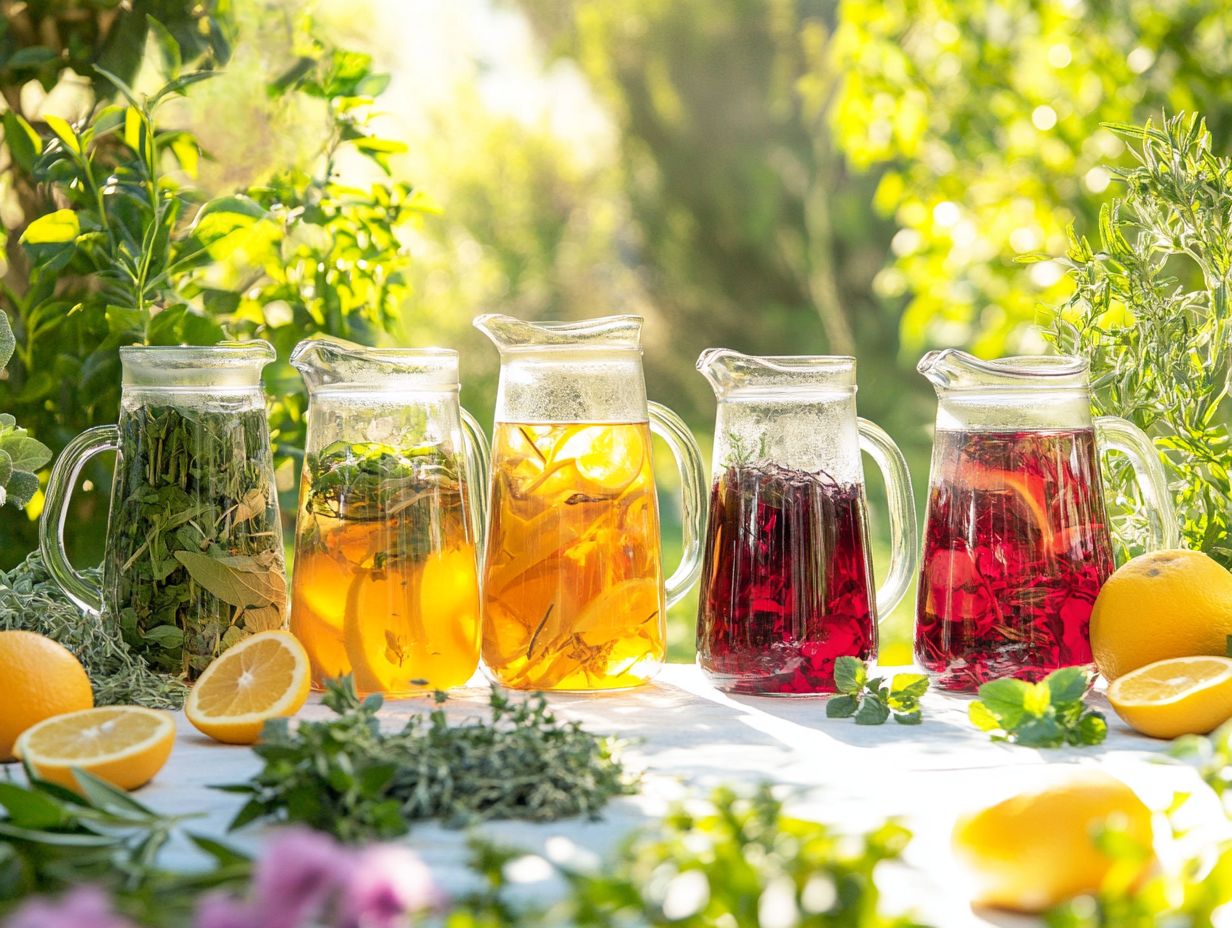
(41, 679)
(1161, 605)
(124, 745)
(1038, 849)
(266, 676)
(1180, 696)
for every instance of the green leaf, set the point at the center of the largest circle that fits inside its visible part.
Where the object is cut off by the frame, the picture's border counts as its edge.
(1069, 684)
(52, 228)
(908, 718)
(64, 132)
(1005, 699)
(7, 341)
(982, 718)
(1092, 729)
(29, 808)
(24, 453)
(21, 488)
(237, 581)
(24, 143)
(914, 685)
(1037, 699)
(872, 712)
(850, 674)
(841, 707)
(168, 47)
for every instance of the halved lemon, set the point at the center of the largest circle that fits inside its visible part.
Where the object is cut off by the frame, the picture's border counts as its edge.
(608, 457)
(124, 745)
(265, 676)
(1174, 697)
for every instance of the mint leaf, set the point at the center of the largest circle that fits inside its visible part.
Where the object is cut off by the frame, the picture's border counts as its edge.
(871, 700)
(1069, 684)
(1048, 714)
(850, 674)
(872, 712)
(841, 707)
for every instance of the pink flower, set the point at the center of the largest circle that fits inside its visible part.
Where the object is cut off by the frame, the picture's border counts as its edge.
(219, 910)
(299, 871)
(80, 907)
(388, 884)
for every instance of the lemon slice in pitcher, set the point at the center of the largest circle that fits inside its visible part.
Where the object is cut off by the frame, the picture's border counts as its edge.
(608, 457)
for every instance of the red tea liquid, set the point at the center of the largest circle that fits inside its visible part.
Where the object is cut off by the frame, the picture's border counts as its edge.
(786, 582)
(1016, 546)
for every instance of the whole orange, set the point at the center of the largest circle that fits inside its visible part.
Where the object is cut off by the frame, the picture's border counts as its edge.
(1158, 606)
(41, 679)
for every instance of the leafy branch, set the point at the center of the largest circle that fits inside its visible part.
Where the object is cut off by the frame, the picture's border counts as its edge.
(871, 701)
(21, 456)
(1150, 310)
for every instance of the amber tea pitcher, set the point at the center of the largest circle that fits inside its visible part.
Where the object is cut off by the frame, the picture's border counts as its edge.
(193, 556)
(787, 586)
(385, 584)
(1016, 538)
(573, 590)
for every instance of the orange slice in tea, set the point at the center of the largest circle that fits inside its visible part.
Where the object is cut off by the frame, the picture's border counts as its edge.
(1029, 490)
(619, 611)
(608, 457)
(449, 593)
(383, 631)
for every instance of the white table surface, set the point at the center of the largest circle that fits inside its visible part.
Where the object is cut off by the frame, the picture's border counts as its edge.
(686, 736)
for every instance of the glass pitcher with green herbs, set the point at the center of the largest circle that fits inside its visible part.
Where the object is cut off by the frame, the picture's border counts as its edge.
(386, 583)
(193, 557)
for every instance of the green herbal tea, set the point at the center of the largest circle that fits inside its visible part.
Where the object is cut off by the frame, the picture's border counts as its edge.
(194, 560)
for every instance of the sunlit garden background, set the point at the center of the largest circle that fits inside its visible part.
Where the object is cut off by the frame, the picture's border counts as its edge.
(777, 177)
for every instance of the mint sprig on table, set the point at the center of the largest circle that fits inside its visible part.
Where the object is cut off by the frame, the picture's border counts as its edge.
(1048, 714)
(871, 700)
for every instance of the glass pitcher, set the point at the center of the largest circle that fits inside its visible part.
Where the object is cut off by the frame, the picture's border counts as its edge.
(787, 582)
(385, 583)
(1016, 539)
(193, 557)
(573, 592)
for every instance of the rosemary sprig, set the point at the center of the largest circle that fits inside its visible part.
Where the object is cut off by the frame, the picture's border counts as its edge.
(345, 776)
(1150, 310)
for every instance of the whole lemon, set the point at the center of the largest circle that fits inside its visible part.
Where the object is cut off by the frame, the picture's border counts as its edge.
(1161, 605)
(41, 679)
(1037, 849)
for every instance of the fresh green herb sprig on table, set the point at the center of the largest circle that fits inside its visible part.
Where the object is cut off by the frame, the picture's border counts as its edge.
(347, 777)
(52, 839)
(31, 601)
(1048, 714)
(871, 701)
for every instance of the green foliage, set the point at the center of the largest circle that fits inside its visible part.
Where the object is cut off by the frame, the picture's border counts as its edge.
(346, 777)
(52, 839)
(730, 860)
(1150, 310)
(983, 121)
(122, 247)
(873, 701)
(20, 455)
(1048, 714)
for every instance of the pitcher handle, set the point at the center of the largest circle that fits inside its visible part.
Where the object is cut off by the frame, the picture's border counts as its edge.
(1117, 434)
(904, 550)
(87, 595)
(671, 428)
(478, 468)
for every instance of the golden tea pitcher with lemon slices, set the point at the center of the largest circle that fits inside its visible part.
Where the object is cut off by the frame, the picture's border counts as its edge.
(573, 590)
(386, 583)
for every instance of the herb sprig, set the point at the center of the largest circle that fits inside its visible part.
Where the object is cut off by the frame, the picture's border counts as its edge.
(1150, 310)
(1048, 714)
(347, 777)
(871, 701)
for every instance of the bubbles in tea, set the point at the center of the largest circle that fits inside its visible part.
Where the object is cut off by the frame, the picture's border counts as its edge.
(787, 581)
(1016, 547)
(573, 591)
(385, 584)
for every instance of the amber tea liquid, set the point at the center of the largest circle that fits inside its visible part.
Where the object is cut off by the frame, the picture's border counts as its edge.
(385, 584)
(573, 585)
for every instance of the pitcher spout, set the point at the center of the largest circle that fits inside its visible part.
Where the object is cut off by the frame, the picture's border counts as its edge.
(337, 364)
(730, 372)
(950, 369)
(511, 334)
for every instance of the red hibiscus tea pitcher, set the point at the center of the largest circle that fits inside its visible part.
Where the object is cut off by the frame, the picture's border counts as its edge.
(1016, 539)
(787, 583)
